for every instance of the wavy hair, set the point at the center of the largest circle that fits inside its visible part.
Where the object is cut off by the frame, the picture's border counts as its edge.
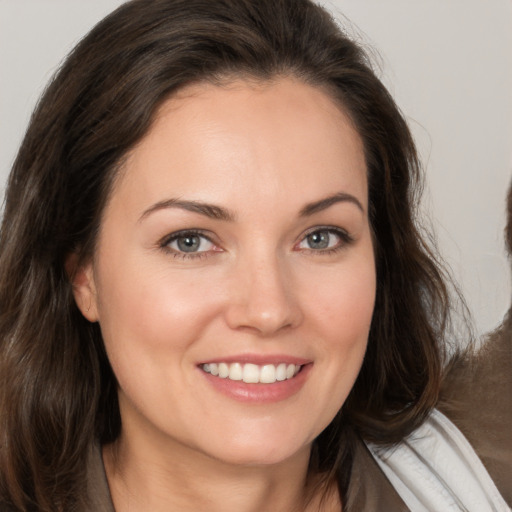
(57, 391)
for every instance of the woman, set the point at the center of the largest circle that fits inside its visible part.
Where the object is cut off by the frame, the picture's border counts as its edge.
(213, 288)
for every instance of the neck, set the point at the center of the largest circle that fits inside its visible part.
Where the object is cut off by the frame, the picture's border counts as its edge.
(143, 476)
(149, 476)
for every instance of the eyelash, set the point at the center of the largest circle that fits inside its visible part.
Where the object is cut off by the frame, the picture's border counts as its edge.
(345, 240)
(165, 245)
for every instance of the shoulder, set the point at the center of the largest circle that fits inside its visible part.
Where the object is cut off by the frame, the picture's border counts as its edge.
(477, 398)
(460, 458)
(436, 468)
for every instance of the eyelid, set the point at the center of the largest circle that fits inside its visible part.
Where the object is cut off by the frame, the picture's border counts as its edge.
(343, 234)
(165, 242)
(167, 239)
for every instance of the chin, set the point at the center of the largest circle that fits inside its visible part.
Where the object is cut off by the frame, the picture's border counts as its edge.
(261, 450)
(257, 457)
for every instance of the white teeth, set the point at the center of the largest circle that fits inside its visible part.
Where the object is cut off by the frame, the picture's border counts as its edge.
(223, 370)
(235, 371)
(268, 374)
(253, 373)
(281, 372)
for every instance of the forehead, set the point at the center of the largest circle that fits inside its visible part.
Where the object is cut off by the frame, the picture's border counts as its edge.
(247, 139)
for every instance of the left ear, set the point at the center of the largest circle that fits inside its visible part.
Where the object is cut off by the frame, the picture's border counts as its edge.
(84, 287)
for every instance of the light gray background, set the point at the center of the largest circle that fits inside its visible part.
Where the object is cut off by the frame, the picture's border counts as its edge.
(448, 63)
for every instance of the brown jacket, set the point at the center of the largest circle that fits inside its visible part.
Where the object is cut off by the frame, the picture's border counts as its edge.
(477, 397)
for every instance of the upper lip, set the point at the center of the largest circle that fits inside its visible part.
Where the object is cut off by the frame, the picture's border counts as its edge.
(259, 359)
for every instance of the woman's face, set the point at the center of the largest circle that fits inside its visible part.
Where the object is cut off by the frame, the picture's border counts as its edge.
(236, 241)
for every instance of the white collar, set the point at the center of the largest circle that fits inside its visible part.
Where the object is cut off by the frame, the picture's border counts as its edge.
(436, 469)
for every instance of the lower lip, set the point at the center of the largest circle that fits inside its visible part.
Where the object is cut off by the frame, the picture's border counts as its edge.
(259, 393)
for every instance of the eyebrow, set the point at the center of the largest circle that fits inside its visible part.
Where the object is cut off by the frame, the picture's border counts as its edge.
(322, 204)
(208, 210)
(215, 212)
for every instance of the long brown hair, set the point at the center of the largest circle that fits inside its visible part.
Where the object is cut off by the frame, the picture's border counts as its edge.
(57, 391)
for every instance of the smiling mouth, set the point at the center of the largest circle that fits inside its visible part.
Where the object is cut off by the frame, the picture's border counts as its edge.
(252, 373)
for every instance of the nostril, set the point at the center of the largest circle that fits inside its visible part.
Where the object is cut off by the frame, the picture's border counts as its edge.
(257, 320)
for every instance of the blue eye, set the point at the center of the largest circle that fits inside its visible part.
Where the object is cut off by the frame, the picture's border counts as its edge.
(324, 239)
(320, 240)
(188, 243)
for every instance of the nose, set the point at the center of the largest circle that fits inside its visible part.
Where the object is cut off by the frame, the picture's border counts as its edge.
(263, 298)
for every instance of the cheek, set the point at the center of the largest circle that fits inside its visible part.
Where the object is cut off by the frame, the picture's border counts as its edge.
(341, 315)
(341, 310)
(163, 312)
(343, 305)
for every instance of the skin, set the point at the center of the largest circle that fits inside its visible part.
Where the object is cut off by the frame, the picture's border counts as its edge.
(262, 152)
